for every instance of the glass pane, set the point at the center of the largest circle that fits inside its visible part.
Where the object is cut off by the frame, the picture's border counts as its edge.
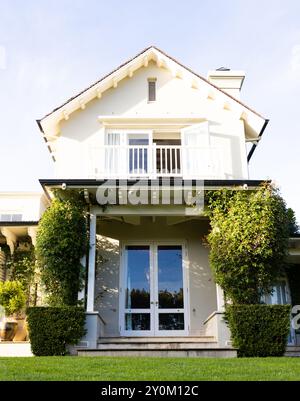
(16, 217)
(283, 293)
(5, 217)
(171, 321)
(137, 321)
(170, 281)
(138, 157)
(138, 277)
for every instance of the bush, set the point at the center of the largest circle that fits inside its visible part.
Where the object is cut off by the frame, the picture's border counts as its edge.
(12, 297)
(51, 329)
(248, 241)
(259, 330)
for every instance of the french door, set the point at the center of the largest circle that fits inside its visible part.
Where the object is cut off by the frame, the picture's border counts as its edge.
(153, 290)
(127, 153)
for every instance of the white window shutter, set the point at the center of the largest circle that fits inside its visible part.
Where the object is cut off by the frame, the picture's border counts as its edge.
(196, 135)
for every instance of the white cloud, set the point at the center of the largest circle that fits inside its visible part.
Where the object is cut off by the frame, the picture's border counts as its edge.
(2, 58)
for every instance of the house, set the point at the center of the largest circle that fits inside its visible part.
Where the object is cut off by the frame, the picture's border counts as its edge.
(144, 143)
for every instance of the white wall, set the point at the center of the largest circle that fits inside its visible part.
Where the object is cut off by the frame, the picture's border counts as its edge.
(30, 205)
(174, 97)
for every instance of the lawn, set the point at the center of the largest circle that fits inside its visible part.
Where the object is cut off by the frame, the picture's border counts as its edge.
(105, 368)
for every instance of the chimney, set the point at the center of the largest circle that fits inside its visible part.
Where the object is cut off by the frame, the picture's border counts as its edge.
(229, 81)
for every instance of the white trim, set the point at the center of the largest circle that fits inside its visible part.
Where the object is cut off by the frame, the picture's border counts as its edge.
(153, 310)
(220, 299)
(92, 265)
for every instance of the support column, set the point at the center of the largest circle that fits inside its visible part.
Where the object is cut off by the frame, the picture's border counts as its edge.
(220, 299)
(32, 230)
(11, 238)
(81, 293)
(92, 265)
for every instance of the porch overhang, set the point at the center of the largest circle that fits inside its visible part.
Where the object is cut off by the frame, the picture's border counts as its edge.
(91, 185)
(12, 231)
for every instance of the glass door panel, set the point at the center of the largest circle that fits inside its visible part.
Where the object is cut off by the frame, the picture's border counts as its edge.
(138, 154)
(170, 308)
(154, 300)
(137, 289)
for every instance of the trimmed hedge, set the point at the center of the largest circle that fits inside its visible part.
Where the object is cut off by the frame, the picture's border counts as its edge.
(259, 330)
(51, 329)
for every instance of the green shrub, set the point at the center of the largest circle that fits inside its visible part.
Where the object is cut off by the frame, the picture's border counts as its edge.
(12, 297)
(61, 243)
(51, 329)
(248, 241)
(259, 330)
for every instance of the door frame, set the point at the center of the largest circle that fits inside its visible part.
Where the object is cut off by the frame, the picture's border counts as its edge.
(153, 244)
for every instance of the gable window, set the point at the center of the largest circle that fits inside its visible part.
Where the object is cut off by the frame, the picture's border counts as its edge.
(151, 89)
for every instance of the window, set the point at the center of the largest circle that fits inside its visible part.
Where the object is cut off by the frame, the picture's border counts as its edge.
(10, 217)
(151, 89)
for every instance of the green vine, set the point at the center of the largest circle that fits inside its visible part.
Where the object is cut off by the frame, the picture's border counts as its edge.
(21, 268)
(61, 242)
(248, 241)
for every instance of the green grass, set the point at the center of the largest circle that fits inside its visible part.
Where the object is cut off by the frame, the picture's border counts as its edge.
(105, 368)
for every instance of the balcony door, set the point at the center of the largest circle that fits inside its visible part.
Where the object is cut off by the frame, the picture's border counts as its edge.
(127, 153)
(196, 150)
(139, 154)
(153, 290)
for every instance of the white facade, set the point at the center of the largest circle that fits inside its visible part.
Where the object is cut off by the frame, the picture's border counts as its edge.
(152, 118)
(126, 111)
(193, 128)
(21, 206)
(19, 216)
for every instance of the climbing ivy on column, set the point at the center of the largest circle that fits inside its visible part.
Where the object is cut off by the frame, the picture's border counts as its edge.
(61, 243)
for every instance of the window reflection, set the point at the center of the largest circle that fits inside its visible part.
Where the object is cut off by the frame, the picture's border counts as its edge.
(170, 281)
(171, 321)
(138, 277)
(137, 321)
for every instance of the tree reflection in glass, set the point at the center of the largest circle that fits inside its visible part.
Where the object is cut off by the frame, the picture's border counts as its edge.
(170, 281)
(138, 277)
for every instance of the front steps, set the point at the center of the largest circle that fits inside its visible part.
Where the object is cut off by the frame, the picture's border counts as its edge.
(292, 350)
(159, 347)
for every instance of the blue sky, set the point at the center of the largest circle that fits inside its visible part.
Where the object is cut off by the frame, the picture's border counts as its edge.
(51, 49)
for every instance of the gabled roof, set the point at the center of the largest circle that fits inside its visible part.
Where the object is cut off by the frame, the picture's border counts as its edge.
(49, 123)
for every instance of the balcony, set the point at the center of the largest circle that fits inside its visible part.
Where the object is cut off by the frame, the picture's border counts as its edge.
(154, 161)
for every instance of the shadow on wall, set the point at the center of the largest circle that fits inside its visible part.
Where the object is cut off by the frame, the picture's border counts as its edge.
(107, 280)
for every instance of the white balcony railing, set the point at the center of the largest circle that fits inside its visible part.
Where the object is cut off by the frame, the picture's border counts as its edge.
(155, 161)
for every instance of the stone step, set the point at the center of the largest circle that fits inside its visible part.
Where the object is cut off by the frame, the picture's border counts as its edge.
(182, 353)
(157, 345)
(292, 351)
(127, 340)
